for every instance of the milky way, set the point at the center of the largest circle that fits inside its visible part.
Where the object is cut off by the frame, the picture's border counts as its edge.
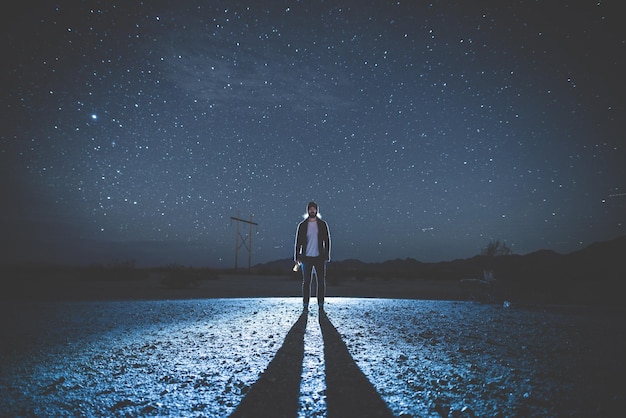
(137, 130)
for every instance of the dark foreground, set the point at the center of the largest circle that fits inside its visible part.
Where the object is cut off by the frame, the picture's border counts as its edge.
(265, 357)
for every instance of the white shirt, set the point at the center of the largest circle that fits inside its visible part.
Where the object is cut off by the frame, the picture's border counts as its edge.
(312, 247)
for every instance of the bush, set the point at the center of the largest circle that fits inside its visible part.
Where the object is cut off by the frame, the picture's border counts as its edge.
(181, 277)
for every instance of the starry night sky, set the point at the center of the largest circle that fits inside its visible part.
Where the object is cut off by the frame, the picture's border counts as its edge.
(135, 130)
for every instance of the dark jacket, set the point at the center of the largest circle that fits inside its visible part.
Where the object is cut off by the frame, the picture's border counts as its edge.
(323, 239)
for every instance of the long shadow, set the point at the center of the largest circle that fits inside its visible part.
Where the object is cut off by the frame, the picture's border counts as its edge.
(277, 391)
(348, 391)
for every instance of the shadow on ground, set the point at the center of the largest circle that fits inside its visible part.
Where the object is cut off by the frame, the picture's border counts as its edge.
(348, 391)
(277, 391)
(264, 357)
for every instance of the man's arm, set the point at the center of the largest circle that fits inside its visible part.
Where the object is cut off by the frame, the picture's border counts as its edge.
(297, 245)
(328, 242)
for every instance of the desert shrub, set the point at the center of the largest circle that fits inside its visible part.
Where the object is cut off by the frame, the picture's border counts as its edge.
(114, 270)
(180, 277)
(360, 275)
(496, 248)
(333, 276)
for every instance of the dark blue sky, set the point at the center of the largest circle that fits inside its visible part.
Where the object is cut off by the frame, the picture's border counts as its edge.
(136, 130)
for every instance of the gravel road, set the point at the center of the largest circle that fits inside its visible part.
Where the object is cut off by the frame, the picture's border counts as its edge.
(362, 357)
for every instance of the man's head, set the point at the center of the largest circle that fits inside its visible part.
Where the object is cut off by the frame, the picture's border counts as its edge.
(311, 209)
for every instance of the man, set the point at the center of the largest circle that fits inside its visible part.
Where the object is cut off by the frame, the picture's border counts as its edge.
(313, 251)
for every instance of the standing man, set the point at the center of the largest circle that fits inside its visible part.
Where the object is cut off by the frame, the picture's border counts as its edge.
(313, 251)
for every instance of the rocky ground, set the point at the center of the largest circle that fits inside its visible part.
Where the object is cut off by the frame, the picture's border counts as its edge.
(265, 357)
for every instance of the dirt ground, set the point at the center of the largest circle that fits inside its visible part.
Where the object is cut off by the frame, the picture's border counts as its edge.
(124, 350)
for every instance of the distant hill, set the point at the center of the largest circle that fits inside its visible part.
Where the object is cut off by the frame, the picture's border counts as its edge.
(599, 261)
(591, 276)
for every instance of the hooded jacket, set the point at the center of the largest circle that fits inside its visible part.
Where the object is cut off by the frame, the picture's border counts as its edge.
(323, 239)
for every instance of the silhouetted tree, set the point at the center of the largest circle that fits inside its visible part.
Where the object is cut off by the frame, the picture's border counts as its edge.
(496, 248)
(491, 252)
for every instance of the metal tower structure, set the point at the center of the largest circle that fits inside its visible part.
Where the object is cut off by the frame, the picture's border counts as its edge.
(246, 240)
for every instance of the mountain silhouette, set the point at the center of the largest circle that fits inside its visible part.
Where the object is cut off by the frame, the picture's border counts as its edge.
(601, 258)
(594, 272)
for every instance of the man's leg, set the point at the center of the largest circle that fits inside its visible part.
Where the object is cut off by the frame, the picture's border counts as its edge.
(320, 273)
(307, 267)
